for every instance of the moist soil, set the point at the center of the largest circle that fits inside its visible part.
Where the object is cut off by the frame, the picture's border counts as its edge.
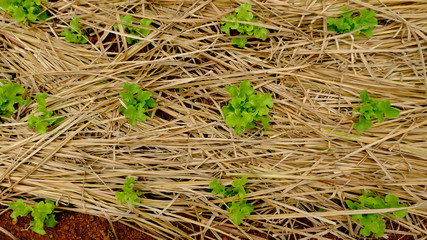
(78, 226)
(71, 225)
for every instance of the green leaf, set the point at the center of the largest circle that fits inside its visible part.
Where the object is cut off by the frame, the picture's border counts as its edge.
(40, 213)
(363, 124)
(40, 122)
(74, 35)
(239, 210)
(137, 102)
(232, 22)
(50, 221)
(346, 24)
(128, 195)
(246, 107)
(20, 209)
(216, 187)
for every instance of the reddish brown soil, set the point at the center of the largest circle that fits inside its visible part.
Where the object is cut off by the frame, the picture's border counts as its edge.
(71, 225)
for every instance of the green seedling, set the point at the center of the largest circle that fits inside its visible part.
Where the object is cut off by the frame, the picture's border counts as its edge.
(136, 102)
(238, 209)
(136, 31)
(10, 98)
(371, 109)
(74, 35)
(42, 214)
(25, 11)
(246, 107)
(128, 195)
(345, 23)
(46, 119)
(242, 14)
(374, 222)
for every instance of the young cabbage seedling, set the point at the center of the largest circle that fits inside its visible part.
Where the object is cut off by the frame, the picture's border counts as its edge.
(128, 195)
(25, 11)
(246, 107)
(136, 31)
(373, 108)
(136, 102)
(10, 99)
(74, 35)
(46, 119)
(374, 222)
(242, 14)
(238, 209)
(345, 23)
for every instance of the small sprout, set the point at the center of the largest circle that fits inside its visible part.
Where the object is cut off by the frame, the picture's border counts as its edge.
(25, 11)
(374, 222)
(46, 119)
(128, 195)
(138, 32)
(136, 102)
(42, 214)
(232, 23)
(371, 109)
(238, 209)
(246, 107)
(346, 23)
(74, 35)
(10, 98)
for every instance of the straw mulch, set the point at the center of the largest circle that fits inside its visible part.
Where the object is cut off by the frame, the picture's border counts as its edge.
(311, 157)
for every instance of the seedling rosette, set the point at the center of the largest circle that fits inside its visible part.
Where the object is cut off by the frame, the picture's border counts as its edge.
(42, 121)
(136, 102)
(10, 99)
(136, 31)
(345, 23)
(246, 107)
(25, 10)
(74, 35)
(242, 14)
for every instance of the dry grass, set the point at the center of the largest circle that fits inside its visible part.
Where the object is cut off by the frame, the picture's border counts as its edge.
(309, 159)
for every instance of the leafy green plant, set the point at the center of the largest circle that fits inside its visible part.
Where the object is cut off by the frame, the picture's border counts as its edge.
(74, 35)
(42, 214)
(9, 98)
(136, 31)
(346, 23)
(242, 14)
(136, 102)
(246, 107)
(238, 209)
(373, 108)
(373, 222)
(23, 10)
(46, 119)
(128, 195)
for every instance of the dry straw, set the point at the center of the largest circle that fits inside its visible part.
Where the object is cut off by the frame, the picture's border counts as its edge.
(310, 158)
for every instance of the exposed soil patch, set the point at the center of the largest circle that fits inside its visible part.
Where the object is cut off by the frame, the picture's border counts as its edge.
(71, 225)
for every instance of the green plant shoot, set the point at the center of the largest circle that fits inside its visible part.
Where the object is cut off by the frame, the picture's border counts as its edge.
(10, 99)
(374, 222)
(345, 23)
(42, 214)
(238, 209)
(136, 102)
(246, 107)
(25, 10)
(128, 195)
(138, 32)
(232, 23)
(74, 35)
(371, 109)
(46, 119)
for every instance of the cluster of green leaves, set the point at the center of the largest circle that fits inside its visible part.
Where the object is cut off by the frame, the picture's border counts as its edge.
(238, 209)
(242, 14)
(74, 35)
(46, 119)
(136, 102)
(373, 222)
(23, 10)
(128, 195)
(9, 98)
(346, 23)
(246, 107)
(373, 108)
(136, 31)
(42, 214)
